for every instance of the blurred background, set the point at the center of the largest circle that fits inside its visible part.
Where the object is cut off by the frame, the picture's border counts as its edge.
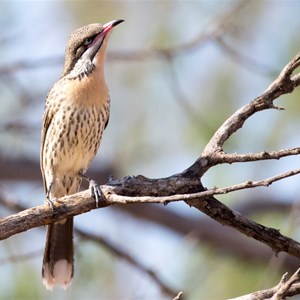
(176, 70)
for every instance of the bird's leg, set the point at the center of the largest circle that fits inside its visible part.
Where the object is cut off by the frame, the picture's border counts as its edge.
(48, 200)
(95, 189)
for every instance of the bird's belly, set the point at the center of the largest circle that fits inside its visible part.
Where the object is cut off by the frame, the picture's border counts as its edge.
(77, 141)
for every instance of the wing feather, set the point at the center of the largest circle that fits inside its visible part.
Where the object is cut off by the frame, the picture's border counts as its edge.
(47, 119)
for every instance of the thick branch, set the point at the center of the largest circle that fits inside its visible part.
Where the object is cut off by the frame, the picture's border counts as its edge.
(186, 185)
(201, 228)
(119, 199)
(83, 202)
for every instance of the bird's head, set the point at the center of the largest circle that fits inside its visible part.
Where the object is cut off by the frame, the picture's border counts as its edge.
(86, 49)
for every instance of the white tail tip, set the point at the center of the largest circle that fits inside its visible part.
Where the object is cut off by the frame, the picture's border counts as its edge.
(62, 275)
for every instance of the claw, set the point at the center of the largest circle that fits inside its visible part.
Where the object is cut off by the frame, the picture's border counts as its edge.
(96, 191)
(50, 202)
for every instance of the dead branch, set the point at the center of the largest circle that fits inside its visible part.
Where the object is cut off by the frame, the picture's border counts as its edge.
(285, 288)
(185, 186)
(202, 229)
(222, 158)
(82, 202)
(284, 84)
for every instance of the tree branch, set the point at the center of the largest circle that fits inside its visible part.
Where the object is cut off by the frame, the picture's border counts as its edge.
(223, 158)
(284, 84)
(285, 288)
(186, 186)
(82, 202)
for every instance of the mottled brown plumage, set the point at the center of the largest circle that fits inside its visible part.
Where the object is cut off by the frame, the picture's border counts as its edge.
(76, 114)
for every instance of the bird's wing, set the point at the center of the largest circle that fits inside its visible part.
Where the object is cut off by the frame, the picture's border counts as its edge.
(47, 119)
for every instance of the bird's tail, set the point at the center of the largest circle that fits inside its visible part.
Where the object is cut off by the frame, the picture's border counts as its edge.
(58, 262)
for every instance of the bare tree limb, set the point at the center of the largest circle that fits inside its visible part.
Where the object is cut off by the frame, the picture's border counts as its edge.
(201, 228)
(222, 157)
(119, 199)
(284, 84)
(186, 186)
(83, 202)
(285, 288)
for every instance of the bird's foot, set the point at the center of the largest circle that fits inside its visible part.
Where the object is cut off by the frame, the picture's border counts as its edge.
(95, 189)
(96, 192)
(50, 202)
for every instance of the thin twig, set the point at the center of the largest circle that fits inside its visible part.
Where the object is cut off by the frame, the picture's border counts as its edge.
(285, 288)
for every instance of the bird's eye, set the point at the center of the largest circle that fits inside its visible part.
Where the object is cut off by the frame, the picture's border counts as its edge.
(88, 41)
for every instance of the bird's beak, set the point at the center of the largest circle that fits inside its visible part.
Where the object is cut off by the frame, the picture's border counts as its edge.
(107, 27)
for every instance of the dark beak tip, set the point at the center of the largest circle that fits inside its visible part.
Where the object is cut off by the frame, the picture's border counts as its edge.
(117, 22)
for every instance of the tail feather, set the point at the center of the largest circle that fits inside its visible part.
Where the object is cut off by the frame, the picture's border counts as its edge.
(58, 262)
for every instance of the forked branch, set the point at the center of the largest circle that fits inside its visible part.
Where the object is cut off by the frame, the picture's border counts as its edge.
(186, 186)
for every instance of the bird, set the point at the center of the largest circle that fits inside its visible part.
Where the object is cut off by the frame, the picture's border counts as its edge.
(76, 113)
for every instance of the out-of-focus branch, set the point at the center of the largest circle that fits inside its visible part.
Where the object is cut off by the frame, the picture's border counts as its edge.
(28, 169)
(109, 246)
(245, 60)
(195, 118)
(128, 258)
(20, 257)
(217, 236)
(213, 30)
